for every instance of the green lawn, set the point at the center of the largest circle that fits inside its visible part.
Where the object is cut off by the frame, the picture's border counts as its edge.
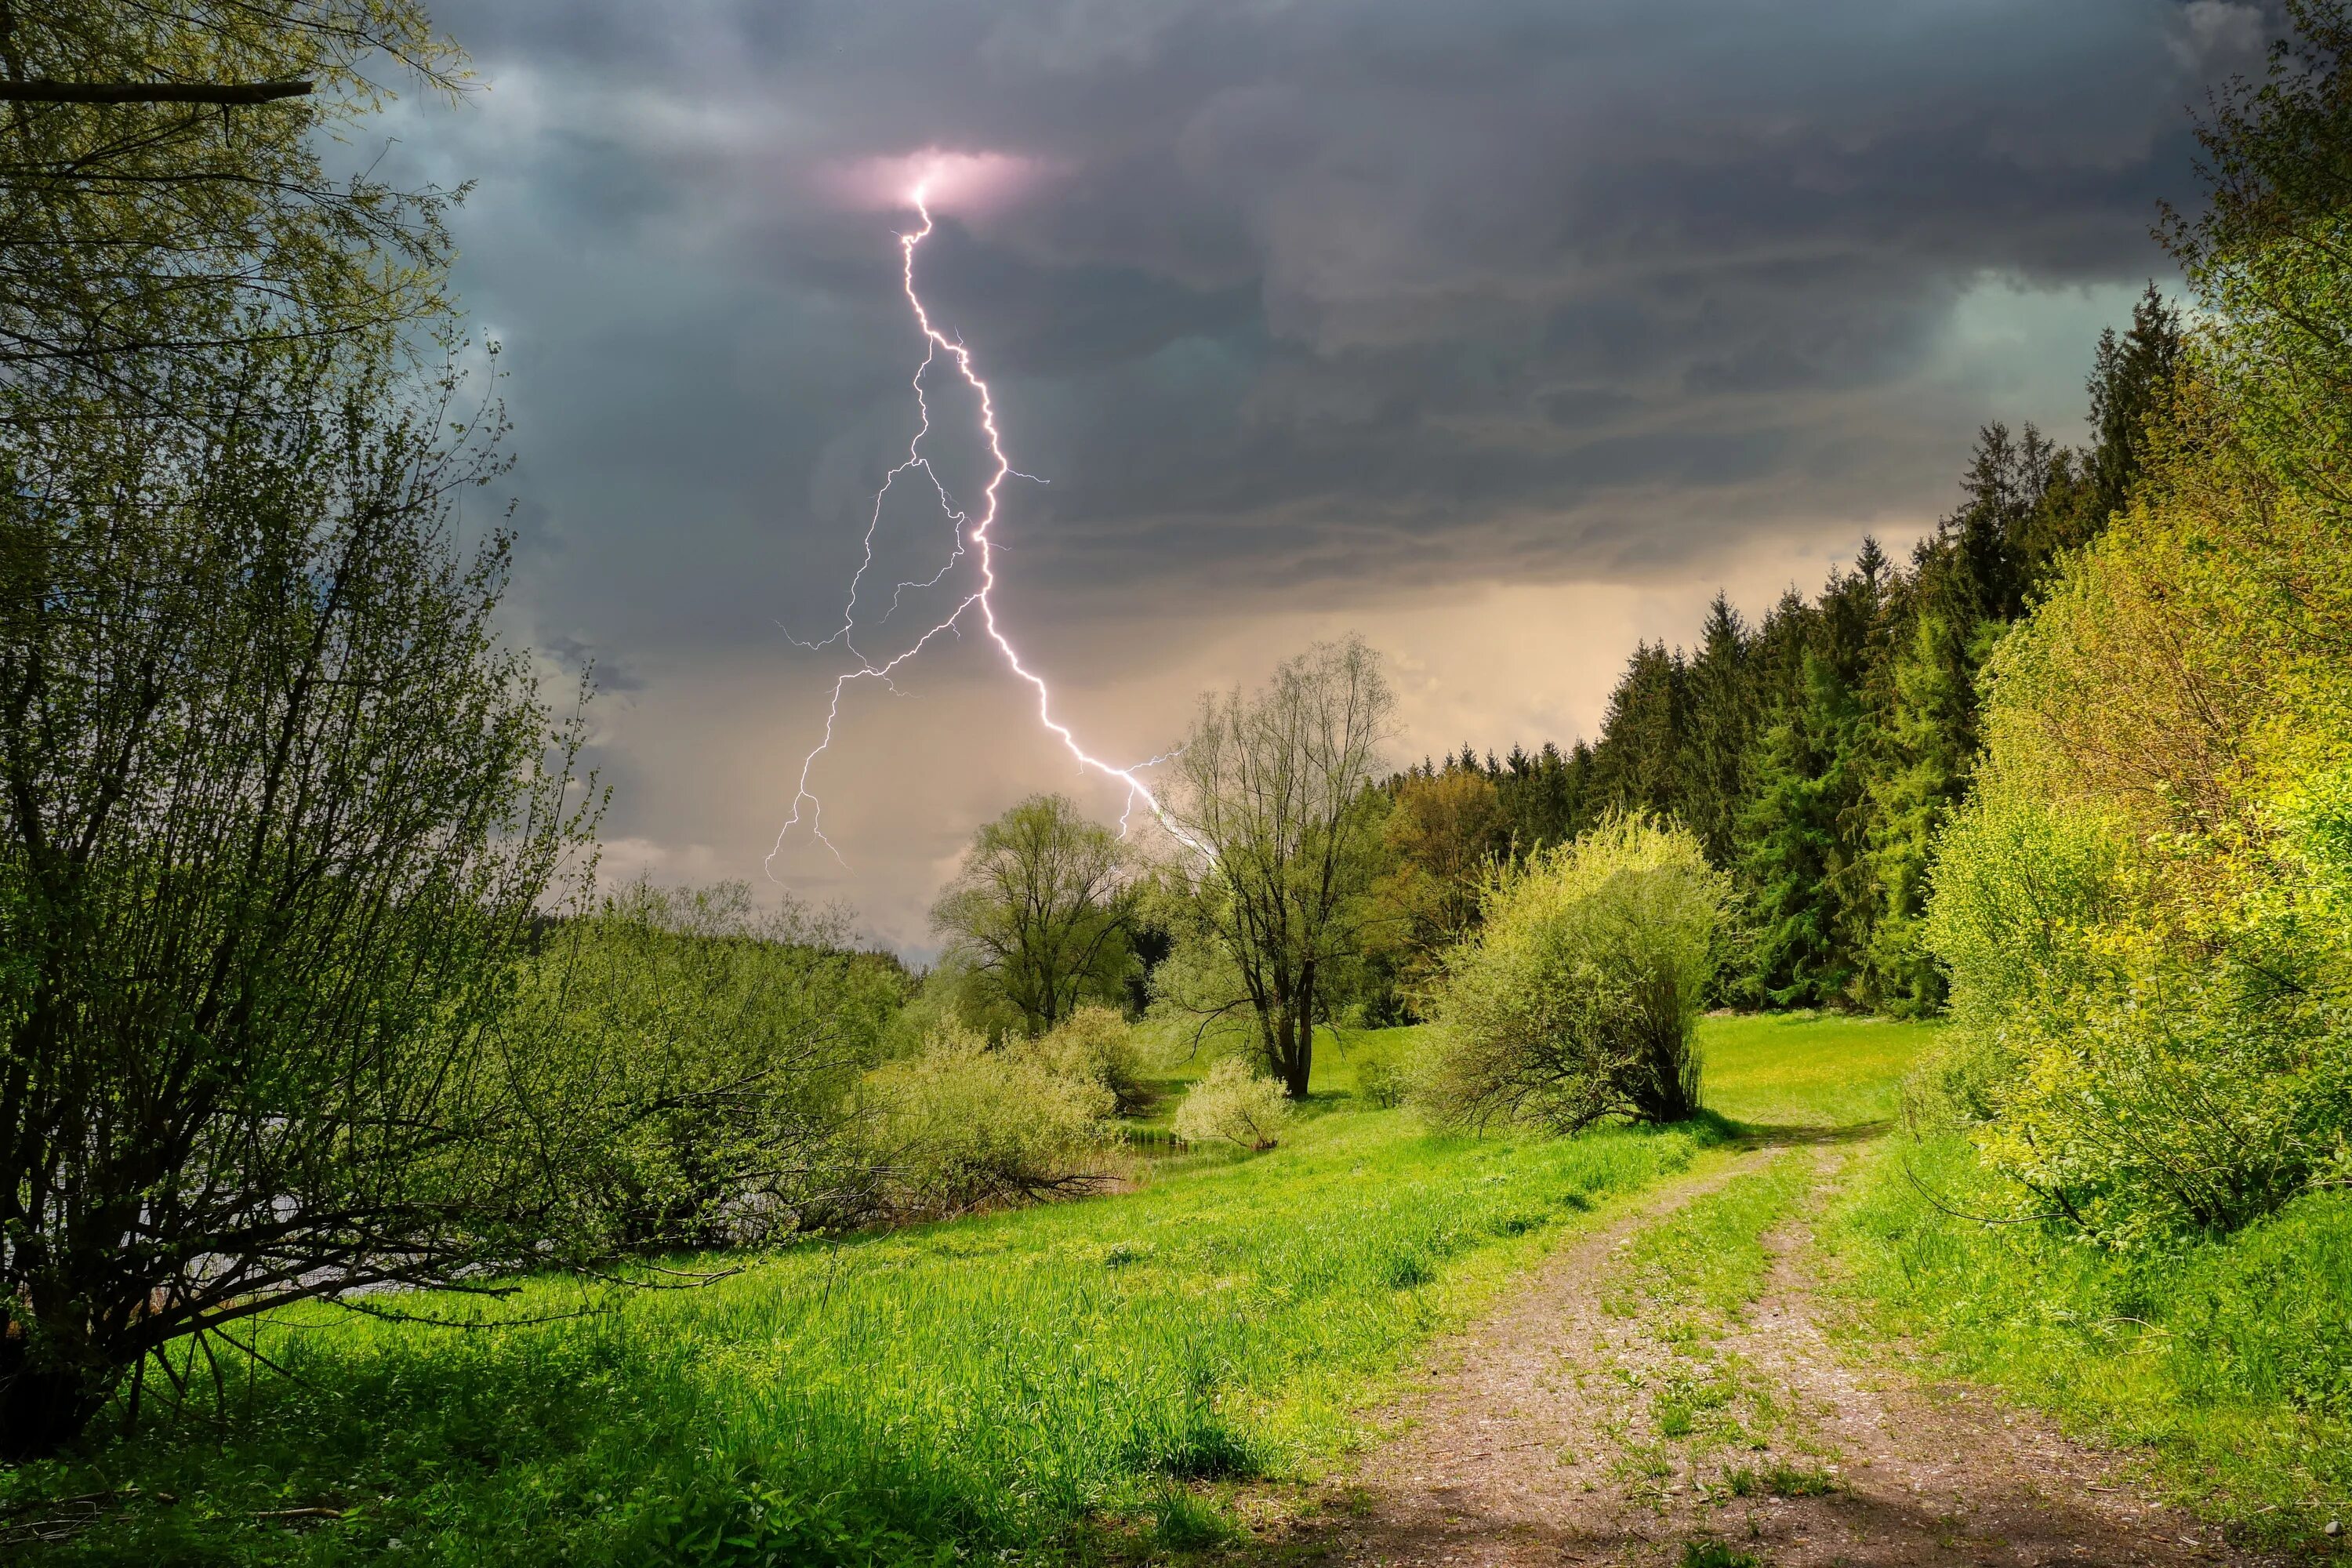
(1338, 1053)
(1807, 1069)
(953, 1391)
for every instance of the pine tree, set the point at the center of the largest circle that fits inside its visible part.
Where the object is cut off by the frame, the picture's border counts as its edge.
(2130, 385)
(1636, 764)
(1719, 725)
(2000, 514)
(1931, 740)
(1799, 861)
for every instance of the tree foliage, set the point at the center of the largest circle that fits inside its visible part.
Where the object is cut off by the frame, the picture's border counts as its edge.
(1233, 1103)
(959, 1126)
(1444, 833)
(2142, 907)
(1043, 912)
(697, 1052)
(137, 234)
(1817, 752)
(279, 810)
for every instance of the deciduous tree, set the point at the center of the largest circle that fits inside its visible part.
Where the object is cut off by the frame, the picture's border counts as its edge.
(277, 813)
(1273, 795)
(1043, 912)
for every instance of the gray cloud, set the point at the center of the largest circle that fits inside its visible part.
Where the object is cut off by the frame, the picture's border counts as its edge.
(1306, 304)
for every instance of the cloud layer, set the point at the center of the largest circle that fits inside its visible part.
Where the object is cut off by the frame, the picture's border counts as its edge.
(1395, 315)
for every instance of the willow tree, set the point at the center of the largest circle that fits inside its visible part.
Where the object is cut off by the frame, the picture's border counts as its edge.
(276, 811)
(1043, 910)
(1275, 792)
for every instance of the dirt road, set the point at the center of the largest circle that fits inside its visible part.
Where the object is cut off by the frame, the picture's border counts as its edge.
(1599, 1418)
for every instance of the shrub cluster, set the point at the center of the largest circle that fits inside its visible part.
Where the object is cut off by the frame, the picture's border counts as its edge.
(709, 1045)
(1095, 1045)
(1577, 998)
(2144, 909)
(1234, 1104)
(959, 1126)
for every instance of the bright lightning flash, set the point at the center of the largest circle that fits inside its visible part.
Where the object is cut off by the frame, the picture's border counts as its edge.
(968, 533)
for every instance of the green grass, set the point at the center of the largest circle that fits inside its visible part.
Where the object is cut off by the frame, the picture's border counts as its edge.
(1807, 1069)
(1708, 1258)
(1332, 1082)
(1053, 1379)
(2231, 1361)
(975, 1386)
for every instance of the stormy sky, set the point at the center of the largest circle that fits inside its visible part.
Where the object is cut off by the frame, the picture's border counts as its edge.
(1502, 332)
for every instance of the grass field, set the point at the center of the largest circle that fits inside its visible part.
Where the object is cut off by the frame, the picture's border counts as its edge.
(1808, 1069)
(1054, 1375)
(2230, 1360)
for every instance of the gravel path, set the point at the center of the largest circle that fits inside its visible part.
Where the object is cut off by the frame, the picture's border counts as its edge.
(1578, 1425)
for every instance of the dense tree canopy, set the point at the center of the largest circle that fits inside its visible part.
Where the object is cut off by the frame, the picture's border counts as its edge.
(1042, 914)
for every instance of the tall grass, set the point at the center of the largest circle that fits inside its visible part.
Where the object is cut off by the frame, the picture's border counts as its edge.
(2230, 1360)
(989, 1384)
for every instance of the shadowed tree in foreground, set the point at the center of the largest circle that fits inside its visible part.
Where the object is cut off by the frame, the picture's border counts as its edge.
(277, 812)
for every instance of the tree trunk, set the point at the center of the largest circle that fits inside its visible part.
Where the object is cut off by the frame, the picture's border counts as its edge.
(1296, 1033)
(1301, 1064)
(42, 1408)
(1297, 1056)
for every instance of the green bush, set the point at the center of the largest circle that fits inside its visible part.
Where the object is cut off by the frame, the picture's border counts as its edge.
(2143, 912)
(1577, 998)
(1097, 1046)
(959, 1127)
(1232, 1104)
(712, 1044)
(1382, 1077)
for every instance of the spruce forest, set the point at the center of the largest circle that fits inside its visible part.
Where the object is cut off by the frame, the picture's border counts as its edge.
(1818, 752)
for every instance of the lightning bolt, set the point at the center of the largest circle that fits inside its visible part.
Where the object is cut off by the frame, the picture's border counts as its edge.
(970, 535)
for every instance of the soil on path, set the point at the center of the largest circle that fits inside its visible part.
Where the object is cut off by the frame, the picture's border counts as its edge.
(1546, 1437)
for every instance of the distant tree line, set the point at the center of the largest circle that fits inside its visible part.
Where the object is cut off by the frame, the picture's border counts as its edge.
(1816, 752)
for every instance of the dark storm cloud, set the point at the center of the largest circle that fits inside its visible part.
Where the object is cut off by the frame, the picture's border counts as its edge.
(1301, 297)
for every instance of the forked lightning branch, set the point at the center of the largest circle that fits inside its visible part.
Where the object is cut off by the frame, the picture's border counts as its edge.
(970, 537)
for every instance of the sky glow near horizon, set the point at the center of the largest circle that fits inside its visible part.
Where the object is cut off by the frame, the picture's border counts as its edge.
(1504, 335)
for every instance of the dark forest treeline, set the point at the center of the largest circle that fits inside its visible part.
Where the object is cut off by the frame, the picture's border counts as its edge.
(1816, 752)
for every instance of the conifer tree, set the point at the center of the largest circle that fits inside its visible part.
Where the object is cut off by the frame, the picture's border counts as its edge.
(1800, 857)
(1637, 763)
(2130, 385)
(1719, 725)
(1930, 740)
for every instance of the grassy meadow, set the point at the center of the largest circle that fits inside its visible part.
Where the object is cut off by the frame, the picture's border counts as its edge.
(1057, 1378)
(2230, 1360)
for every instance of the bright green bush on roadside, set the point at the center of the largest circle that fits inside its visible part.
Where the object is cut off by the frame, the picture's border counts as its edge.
(1234, 1104)
(2141, 910)
(959, 1127)
(1577, 998)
